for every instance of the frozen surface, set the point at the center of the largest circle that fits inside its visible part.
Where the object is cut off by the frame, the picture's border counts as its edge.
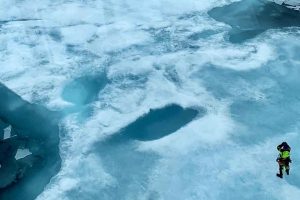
(161, 99)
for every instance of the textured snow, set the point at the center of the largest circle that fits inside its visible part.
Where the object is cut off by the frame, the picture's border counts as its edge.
(156, 53)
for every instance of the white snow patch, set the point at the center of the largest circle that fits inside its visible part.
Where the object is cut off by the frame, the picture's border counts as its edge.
(239, 58)
(78, 34)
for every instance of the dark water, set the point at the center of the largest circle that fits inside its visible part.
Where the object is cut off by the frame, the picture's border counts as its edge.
(250, 18)
(159, 123)
(36, 129)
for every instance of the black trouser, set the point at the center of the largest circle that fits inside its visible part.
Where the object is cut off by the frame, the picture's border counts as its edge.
(284, 163)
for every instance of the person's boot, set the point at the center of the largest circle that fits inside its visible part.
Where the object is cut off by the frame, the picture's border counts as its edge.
(280, 174)
(287, 172)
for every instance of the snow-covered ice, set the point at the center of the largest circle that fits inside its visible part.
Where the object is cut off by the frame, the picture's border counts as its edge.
(216, 82)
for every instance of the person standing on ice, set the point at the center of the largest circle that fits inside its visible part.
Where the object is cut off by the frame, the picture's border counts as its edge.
(283, 158)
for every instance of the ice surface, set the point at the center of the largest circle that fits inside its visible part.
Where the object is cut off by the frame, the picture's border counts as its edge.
(110, 67)
(7, 132)
(120, 150)
(22, 153)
